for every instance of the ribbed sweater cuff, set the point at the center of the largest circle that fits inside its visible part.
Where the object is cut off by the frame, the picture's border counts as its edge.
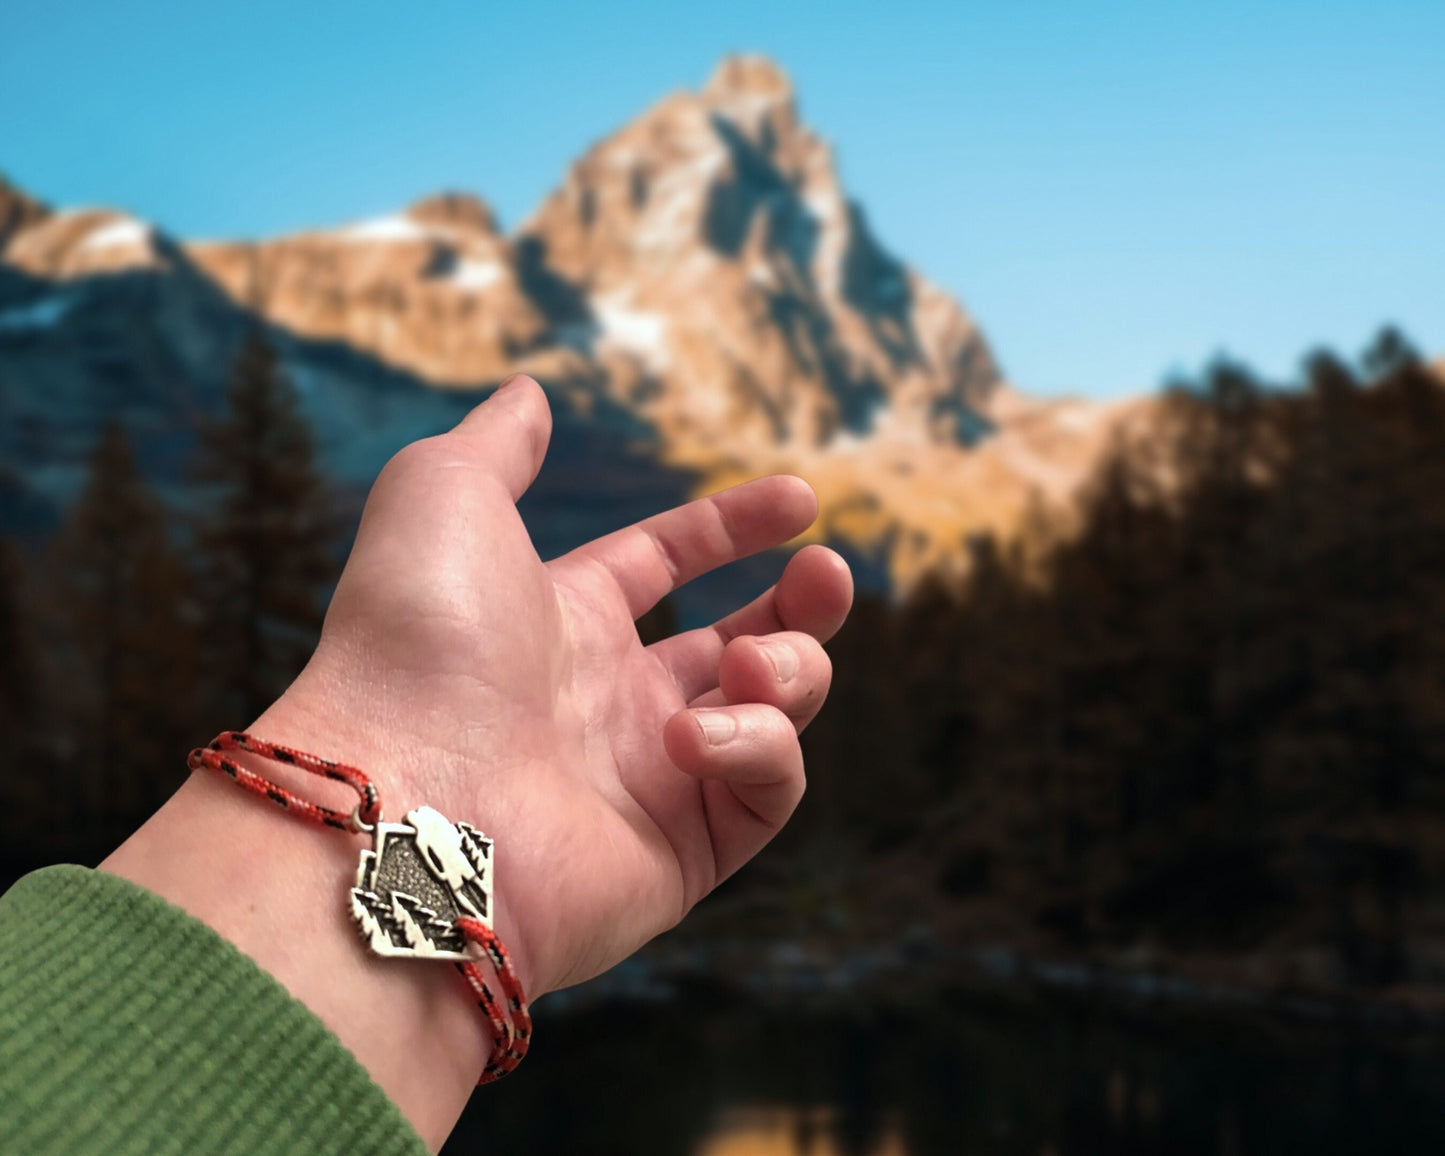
(127, 1026)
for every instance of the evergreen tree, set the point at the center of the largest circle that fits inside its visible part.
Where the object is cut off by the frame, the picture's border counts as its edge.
(269, 541)
(1389, 354)
(123, 651)
(21, 785)
(17, 654)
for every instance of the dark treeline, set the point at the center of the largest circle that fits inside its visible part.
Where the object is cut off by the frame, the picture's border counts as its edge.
(1202, 725)
(136, 627)
(1206, 727)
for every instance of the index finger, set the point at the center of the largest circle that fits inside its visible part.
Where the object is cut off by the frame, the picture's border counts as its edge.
(812, 596)
(653, 557)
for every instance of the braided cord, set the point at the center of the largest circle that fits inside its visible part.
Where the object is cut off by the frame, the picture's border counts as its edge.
(511, 1023)
(514, 1031)
(212, 756)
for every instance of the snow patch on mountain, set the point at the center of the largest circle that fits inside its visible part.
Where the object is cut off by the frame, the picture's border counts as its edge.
(395, 227)
(637, 331)
(477, 275)
(123, 233)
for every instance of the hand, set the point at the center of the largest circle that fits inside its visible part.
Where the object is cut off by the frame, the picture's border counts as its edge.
(621, 783)
(461, 672)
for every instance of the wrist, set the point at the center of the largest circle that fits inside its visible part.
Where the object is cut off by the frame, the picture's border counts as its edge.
(409, 772)
(277, 889)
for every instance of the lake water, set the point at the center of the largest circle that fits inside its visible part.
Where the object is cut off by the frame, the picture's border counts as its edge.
(703, 1075)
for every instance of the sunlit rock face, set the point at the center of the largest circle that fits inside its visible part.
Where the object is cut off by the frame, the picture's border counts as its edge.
(737, 298)
(703, 263)
(433, 289)
(700, 282)
(732, 288)
(84, 243)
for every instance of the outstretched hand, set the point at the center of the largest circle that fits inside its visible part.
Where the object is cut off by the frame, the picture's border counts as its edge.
(620, 782)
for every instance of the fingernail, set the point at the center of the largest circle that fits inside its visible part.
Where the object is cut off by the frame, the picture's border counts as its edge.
(717, 726)
(783, 657)
(507, 383)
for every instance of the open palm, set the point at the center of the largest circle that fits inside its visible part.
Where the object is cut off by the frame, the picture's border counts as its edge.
(620, 782)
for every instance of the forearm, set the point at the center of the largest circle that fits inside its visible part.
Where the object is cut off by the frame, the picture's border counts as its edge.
(277, 889)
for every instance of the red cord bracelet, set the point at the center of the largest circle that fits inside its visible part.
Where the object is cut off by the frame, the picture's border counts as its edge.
(423, 890)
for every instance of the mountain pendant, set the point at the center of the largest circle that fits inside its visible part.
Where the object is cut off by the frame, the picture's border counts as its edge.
(417, 880)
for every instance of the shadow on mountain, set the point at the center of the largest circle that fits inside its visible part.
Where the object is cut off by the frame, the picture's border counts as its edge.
(559, 299)
(152, 350)
(875, 283)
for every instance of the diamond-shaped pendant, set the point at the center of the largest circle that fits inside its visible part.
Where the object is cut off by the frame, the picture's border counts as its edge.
(417, 880)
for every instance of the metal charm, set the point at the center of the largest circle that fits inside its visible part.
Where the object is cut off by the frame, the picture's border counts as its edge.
(418, 879)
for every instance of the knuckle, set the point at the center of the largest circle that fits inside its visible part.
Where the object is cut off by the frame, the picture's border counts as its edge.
(413, 456)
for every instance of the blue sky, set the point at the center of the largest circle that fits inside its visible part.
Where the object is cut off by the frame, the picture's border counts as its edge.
(1117, 191)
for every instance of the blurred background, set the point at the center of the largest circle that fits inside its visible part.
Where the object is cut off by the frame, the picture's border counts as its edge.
(1126, 819)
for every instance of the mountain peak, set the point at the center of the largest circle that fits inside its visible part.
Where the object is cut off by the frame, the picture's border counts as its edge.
(756, 96)
(715, 223)
(463, 212)
(749, 77)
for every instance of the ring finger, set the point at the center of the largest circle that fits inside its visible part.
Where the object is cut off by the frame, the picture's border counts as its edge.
(789, 670)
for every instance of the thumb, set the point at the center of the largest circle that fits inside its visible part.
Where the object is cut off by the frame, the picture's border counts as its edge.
(509, 432)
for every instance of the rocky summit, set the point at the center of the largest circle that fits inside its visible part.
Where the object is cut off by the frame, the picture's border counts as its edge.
(700, 295)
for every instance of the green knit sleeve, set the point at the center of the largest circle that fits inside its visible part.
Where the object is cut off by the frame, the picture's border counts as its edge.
(127, 1026)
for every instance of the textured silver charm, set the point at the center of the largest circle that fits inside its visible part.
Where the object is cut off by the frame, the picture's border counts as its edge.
(417, 880)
